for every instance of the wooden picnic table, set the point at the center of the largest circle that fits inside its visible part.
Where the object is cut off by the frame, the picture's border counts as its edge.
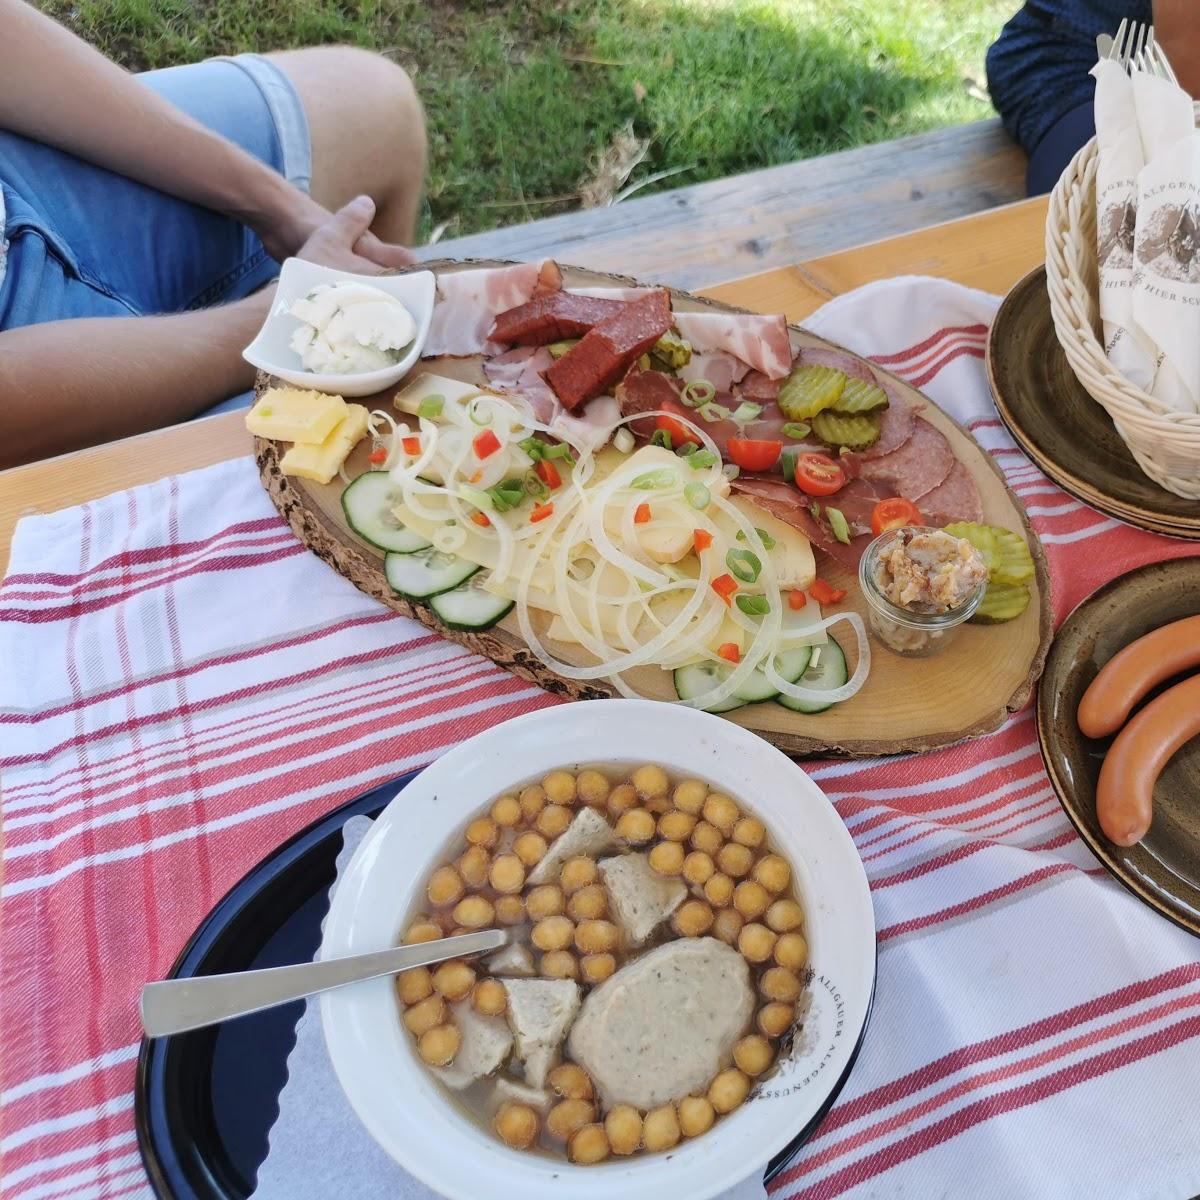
(990, 250)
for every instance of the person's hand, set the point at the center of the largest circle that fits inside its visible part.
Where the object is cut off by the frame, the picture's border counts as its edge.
(342, 240)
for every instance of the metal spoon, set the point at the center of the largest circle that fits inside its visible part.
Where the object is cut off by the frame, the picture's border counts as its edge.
(177, 1005)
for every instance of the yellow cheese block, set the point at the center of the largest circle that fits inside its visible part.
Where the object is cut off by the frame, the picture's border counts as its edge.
(292, 415)
(322, 462)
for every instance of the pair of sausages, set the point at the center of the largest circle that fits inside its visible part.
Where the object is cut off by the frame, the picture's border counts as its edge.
(1125, 792)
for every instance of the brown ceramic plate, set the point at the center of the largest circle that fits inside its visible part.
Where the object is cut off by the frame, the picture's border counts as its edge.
(1163, 869)
(1062, 428)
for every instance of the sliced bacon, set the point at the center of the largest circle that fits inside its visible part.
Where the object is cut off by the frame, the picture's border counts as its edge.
(506, 369)
(468, 302)
(722, 370)
(520, 371)
(607, 350)
(760, 342)
(551, 317)
(612, 293)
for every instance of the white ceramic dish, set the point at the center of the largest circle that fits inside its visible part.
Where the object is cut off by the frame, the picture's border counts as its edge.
(271, 349)
(409, 1114)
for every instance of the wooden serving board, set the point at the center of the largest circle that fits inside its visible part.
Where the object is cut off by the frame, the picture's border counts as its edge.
(906, 704)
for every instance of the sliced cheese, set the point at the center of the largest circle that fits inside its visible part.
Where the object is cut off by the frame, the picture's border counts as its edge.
(322, 462)
(792, 555)
(425, 386)
(292, 415)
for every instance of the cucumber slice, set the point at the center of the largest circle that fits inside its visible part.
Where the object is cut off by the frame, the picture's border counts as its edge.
(1001, 602)
(809, 390)
(469, 606)
(791, 664)
(426, 573)
(828, 672)
(859, 396)
(368, 503)
(695, 680)
(851, 431)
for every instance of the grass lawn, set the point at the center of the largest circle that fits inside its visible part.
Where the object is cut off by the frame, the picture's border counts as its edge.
(525, 96)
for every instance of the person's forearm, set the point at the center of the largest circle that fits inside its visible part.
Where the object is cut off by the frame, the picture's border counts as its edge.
(56, 89)
(69, 384)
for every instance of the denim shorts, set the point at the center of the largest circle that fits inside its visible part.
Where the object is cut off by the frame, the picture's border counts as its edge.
(84, 242)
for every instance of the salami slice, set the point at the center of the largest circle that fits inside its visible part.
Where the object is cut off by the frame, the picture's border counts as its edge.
(916, 467)
(956, 498)
(792, 507)
(759, 388)
(839, 360)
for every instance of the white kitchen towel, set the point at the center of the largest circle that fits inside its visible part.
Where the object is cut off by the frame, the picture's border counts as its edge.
(319, 1149)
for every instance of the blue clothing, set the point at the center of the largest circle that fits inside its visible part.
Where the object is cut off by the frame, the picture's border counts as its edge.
(1038, 67)
(84, 242)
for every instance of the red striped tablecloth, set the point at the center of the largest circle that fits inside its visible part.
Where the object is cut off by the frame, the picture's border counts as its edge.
(183, 687)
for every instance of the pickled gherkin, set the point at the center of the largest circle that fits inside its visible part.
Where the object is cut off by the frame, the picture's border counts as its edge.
(1006, 554)
(859, 396)
(847, 431)
(1002, 602)
(671, 351)
(810, 390)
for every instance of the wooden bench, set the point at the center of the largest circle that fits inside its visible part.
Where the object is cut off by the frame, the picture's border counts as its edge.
(695, 236)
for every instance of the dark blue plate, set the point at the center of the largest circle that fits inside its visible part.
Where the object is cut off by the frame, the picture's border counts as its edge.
(205, 1101)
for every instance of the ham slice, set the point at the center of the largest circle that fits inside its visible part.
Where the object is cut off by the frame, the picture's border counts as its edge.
(720, 369)
(611, 293)
(520, 371)
(469, 301)
(760, 342)
(956, 498)
(915, 468)
(607, 350)
(506, 369)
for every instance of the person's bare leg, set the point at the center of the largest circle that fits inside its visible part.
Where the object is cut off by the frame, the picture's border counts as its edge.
(368, 132)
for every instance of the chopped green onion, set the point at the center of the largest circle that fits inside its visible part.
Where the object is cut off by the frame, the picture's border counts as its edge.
(471, 411)
(697, 392)
(559, 450)
(744, 564)
(535, 486)
(699, 460)
(839, 525)
(713, 412)
(796, 429)
(623, 441)
(507, 494)
(697, 495)
(534, 447)
(474, 496)
(731, 471)
(747, 412)
(431, 407)
(767, 540)
(648, 480)
(753, 606)
(787, 463)
(815, 509)
(661, 437)
(687, 449)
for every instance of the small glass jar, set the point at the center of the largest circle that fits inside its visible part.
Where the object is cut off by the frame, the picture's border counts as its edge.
(911, 634)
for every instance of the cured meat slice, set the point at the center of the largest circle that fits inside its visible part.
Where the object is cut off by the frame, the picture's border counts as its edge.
(468, 302)
(520, 371)
(916, 467)
(839, 360)
(856, 501)
(761, 342)
(759, 389)
(505, 369)
(722, 370)
(956, 498)
(895, 426)
(551, 317)
(608, 349)
(792, 507)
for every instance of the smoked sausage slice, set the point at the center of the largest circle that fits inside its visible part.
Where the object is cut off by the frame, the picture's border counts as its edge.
(1125, 793)
(1130, 674)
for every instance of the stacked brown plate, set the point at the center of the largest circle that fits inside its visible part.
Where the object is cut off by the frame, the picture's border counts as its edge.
(1062, 429)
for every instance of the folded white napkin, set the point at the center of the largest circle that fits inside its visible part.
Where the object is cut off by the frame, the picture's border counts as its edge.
(1166, 273)
(1120, 160)
(318, 1147)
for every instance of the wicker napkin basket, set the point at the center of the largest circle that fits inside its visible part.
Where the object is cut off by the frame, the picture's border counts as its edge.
(1165, 443)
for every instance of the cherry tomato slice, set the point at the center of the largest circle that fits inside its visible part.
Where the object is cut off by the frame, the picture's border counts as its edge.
(676, 430)
(894, 513)
(818, 474)
(754, 454)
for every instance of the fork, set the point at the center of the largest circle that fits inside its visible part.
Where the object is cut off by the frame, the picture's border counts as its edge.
(1134, 48)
